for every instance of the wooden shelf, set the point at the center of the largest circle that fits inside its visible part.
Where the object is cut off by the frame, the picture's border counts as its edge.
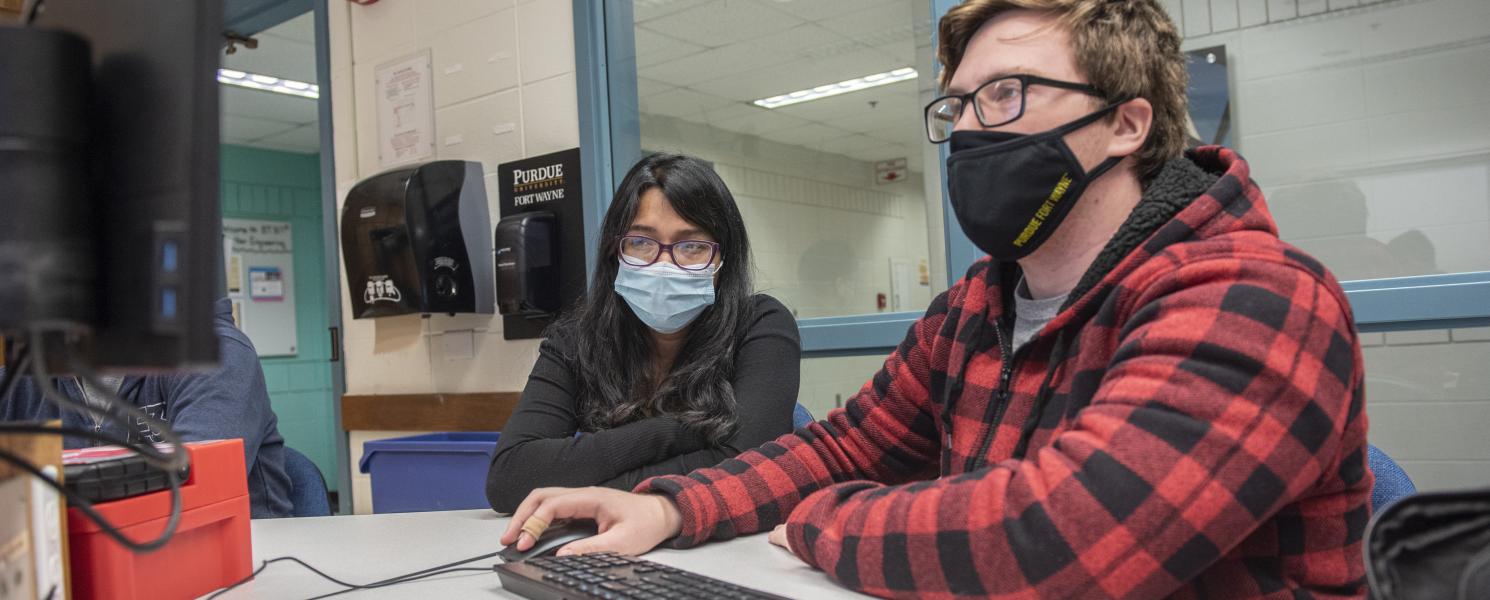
(486, 411)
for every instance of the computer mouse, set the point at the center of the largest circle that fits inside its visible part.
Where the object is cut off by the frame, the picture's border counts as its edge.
(552, 539)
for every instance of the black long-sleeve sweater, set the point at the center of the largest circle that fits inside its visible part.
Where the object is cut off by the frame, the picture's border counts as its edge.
(538, 447)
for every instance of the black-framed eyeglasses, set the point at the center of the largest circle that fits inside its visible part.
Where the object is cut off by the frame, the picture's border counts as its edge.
(689, 255)
(998, 102)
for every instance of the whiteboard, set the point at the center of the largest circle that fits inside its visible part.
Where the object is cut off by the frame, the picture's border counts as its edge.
(260, 265)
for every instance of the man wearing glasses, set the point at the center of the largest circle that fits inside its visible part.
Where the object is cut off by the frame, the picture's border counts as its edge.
(1142, 392)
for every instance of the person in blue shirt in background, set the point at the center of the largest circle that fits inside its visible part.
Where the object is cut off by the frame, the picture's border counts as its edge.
(228, 402)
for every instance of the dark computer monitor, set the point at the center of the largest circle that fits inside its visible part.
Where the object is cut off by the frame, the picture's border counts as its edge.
(138, 270)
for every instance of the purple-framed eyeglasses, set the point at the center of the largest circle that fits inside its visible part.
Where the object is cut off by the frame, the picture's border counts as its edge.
(689, 255)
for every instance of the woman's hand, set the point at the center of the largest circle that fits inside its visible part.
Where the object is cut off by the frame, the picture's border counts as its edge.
(628, 523)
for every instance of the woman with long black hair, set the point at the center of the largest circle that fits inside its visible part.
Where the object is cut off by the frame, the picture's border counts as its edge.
(669, 363)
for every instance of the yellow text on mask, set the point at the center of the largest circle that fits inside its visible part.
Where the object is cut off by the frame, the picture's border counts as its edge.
(1044, 211)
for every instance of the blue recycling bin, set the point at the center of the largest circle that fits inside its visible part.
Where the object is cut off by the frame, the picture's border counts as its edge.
(435, 471)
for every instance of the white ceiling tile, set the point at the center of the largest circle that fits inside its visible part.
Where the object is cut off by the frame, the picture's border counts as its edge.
(903, 51)
(857, 114)
(259, 104)
(891, 102)
(711, 64)
(729, 111)
(872, 123)
(276, 57)
(879, 152)
(299, 29)
(306, 138)
(654, 48)
(894, 19)
(647, 10)
(723, 22)
(726, 61)
(683, 103)
(798, 75)
(844, 144)
(815, 10)
(822, 110)
(287, 51)
(902, 132)
(760, 122)
(248, 128)
(811, 132)
(651, 87)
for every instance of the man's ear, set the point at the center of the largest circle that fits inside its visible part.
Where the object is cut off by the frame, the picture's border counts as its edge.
(1130, 127)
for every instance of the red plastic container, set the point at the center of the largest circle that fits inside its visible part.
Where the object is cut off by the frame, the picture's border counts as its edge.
(211, 548)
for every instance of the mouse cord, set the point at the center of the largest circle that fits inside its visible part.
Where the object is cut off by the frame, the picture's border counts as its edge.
(405, 578)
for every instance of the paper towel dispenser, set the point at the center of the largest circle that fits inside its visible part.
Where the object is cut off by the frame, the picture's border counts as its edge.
(415, 241)
(527, 258)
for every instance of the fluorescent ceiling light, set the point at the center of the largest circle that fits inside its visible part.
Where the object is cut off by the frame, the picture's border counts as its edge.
(834, 89)
(269, 84)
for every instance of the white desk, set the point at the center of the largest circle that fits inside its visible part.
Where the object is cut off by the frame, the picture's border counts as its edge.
(364, 549)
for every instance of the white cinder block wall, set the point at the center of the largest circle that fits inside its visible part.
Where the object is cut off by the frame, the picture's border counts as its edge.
(1368, 126)
(504, 89)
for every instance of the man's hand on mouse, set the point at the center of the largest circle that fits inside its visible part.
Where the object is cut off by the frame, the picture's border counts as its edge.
(628, 523)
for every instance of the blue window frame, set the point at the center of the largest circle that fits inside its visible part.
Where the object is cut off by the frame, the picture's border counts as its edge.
(610, 136)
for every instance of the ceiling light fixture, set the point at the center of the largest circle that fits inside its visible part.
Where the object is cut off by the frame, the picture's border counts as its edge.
(266, 83)
(834, 89)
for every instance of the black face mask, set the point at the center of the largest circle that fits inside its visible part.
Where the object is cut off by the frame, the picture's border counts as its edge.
(1010, 191)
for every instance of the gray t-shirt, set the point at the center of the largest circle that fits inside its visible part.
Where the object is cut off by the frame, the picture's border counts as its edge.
(1031, 315)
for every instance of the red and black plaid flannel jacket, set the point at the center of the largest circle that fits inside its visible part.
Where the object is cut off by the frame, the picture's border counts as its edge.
(1189, 426)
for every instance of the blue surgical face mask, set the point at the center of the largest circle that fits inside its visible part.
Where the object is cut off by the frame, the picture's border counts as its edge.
(664, 296)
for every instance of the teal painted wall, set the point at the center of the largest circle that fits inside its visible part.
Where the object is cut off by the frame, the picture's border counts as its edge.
(284, 186)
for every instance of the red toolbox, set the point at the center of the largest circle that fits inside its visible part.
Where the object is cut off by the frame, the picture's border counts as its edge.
(211, 547)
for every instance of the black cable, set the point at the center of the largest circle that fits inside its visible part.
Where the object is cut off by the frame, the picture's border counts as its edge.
(402, 581)
(178, 457)
(171, 464)
(352, 587)
(444, 566)
(75, 500)
(152, 455)
(417, 575)
(276, 560)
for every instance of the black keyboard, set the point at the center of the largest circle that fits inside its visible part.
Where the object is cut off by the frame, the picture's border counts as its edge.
(610, 576)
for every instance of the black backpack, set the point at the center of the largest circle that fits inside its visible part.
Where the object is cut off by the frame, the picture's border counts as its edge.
(1431, 546)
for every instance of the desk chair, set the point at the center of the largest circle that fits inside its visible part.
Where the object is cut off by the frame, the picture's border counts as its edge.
(801, 417)
(307, 487)
(1392, 483)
